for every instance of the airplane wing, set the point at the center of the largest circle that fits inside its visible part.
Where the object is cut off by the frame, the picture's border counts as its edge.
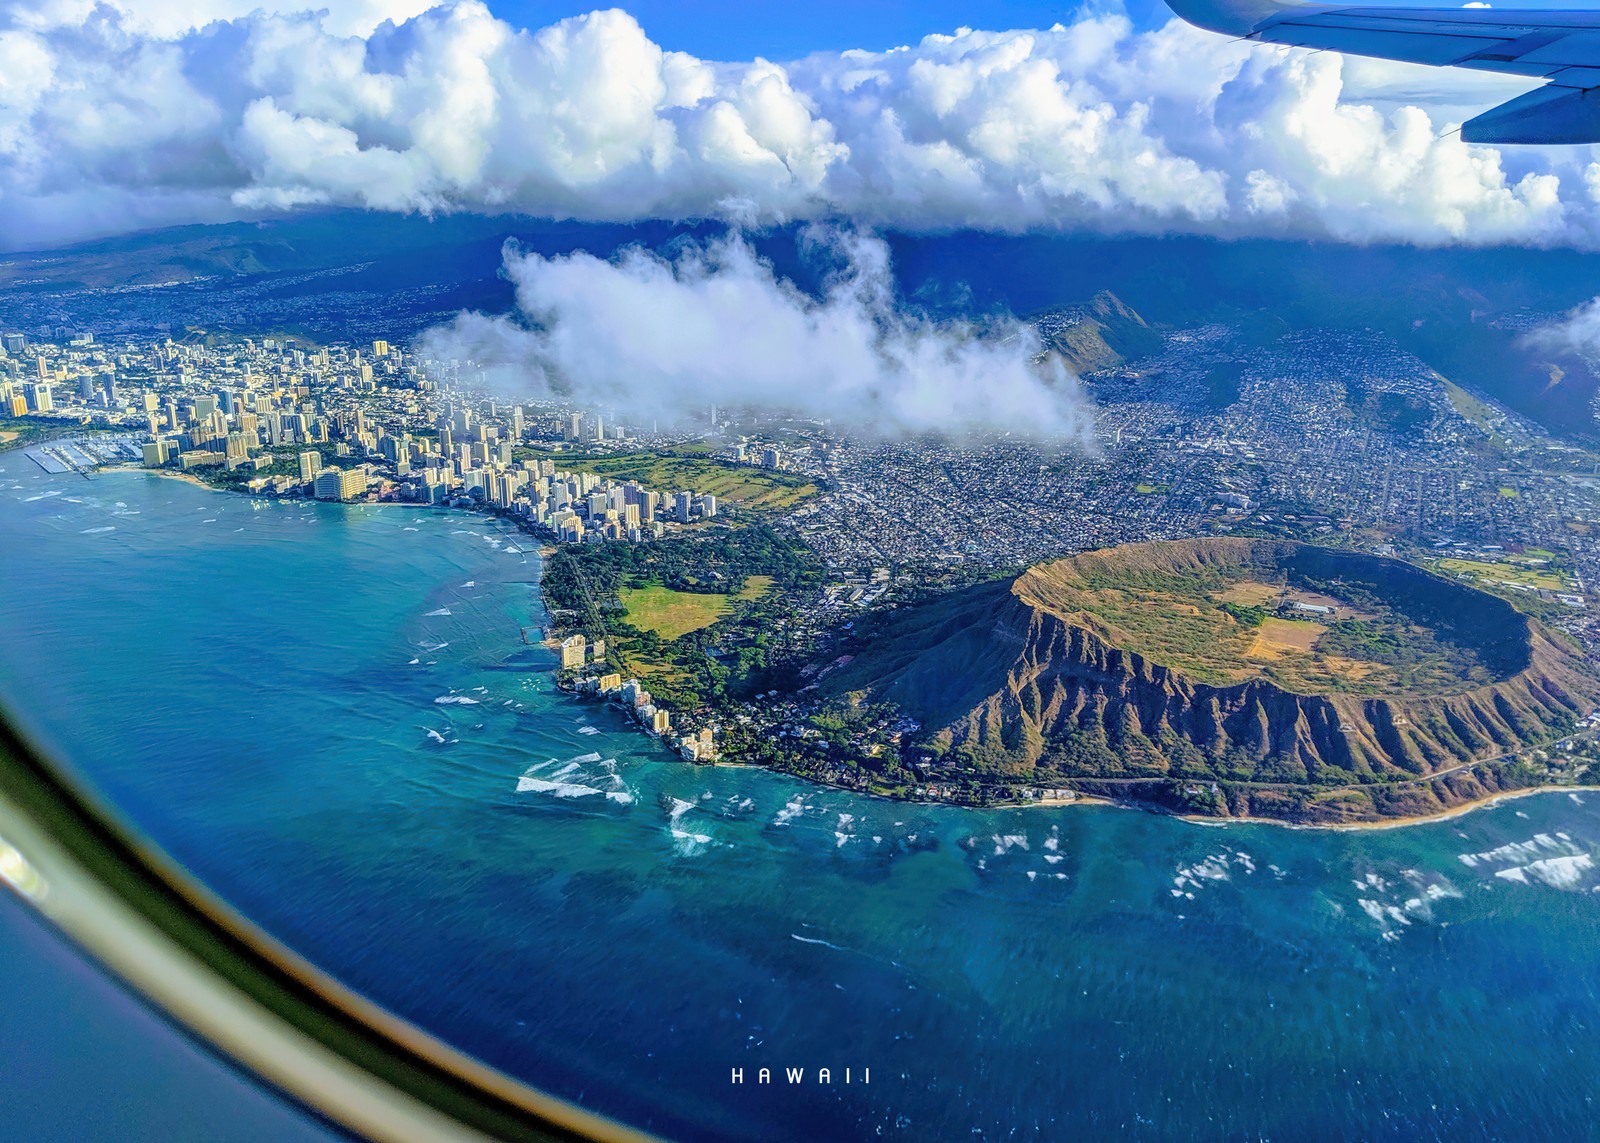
(1561, 46)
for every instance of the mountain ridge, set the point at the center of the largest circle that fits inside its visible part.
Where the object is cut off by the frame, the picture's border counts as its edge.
(1102, 333)
(1015, 681)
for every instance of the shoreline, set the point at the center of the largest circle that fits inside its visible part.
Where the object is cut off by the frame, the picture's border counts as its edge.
(163, 473)
(546, 550)
(1453, 812)
(1031, 804)
(1086, 800)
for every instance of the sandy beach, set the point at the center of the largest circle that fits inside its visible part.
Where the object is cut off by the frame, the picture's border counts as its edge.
(164, 473)
(1393, 823)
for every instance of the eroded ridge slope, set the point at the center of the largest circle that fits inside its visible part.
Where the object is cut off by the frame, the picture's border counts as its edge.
(1323, 682)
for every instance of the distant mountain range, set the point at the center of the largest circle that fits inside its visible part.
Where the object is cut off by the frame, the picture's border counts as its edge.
(341, 274)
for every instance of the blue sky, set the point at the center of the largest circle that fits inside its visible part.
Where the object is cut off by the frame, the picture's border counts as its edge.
(729, 30)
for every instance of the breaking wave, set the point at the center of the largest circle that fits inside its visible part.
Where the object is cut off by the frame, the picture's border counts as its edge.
(582, 776)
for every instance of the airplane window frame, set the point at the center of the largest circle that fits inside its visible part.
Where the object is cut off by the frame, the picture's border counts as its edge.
(263, 1008)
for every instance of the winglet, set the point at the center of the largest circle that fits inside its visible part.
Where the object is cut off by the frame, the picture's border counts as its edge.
(1232, 17)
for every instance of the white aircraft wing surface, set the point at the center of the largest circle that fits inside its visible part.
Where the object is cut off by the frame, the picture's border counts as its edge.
(1561, 46)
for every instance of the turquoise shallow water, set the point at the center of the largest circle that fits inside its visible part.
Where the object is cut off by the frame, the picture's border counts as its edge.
(257, 687)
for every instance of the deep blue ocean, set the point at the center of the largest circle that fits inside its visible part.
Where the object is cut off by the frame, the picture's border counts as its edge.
(323, 712)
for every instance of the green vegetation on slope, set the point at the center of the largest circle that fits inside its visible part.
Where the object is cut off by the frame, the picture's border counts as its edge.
(1107, 332)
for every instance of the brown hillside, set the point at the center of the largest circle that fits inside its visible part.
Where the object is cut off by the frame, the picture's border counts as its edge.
(1135, 663)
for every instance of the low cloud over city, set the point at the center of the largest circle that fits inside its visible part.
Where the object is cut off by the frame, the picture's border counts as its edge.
(1577, 331)
(714, 325)
(120, 116)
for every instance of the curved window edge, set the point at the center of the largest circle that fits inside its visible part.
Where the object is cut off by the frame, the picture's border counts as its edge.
(242, 993)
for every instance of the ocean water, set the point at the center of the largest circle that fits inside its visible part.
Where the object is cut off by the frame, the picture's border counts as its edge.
(325, 713)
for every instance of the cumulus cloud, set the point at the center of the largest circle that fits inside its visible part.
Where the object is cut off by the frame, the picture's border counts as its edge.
(1577, 333)
(652, 336)
(127, 113)
(174, 17)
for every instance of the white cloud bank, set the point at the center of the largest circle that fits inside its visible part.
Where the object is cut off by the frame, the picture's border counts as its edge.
(715, 326)
(113, 117)
(1576, 332)
(171, 18)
